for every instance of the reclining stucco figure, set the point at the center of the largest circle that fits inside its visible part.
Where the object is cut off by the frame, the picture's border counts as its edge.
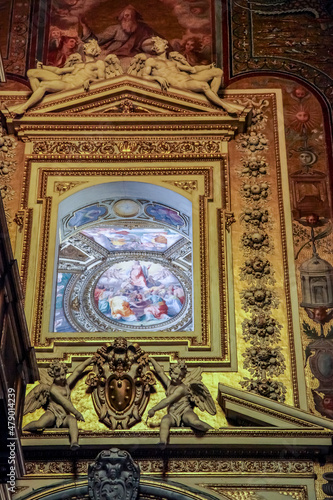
(172, 70)
(75, 73)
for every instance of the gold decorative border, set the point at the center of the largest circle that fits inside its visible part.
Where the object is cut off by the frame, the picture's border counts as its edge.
(27, 226)
(128, 148)
(39, 304)
(251, 432)
(186, 466)
(43, 176)
(123, 97)
(225, 338)
(267, 411)
(204, 274)
(285, 257)
(224, 130)
(300, 491)
(223, 274)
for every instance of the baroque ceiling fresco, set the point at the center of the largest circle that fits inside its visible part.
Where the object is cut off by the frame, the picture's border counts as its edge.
(135, 286)
(174, 236)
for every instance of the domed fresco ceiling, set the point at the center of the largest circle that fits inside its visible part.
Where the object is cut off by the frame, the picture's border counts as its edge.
(125, 264)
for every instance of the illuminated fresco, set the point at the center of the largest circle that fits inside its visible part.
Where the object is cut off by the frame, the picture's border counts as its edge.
(147, 239)
(140, 292)
(86, 214)
(125, 263)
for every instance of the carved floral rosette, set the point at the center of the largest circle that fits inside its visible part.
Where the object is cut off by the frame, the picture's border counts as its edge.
(113, 475)
(121, 382)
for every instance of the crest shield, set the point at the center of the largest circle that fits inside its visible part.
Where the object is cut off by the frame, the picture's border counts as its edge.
(120, 392)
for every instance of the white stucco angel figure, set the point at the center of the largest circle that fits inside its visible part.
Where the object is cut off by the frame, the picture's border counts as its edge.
(183, 392)
(55, 398)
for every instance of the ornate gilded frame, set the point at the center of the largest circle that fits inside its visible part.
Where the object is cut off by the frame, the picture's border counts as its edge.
(70, 144)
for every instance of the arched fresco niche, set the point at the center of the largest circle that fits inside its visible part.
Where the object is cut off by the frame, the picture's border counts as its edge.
(124, 260)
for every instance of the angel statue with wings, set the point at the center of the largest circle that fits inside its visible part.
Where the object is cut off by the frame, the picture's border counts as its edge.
(183, 392)
(55, 398)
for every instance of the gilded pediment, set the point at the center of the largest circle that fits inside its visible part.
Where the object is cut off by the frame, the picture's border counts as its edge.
(122, 97)
(245, 409)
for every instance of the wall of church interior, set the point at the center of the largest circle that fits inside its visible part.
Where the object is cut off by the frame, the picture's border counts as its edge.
(166, 175)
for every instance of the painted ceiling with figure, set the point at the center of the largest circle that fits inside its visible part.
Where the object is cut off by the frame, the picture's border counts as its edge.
(166, 175)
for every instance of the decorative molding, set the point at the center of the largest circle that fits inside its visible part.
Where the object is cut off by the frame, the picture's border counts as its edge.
(186, 465)
(27, 228)
(43, 251)
(138, 147)
(63, 187)
(204, 171)
(229, 219)
(252, 492)
(187, 186)
(19, 219)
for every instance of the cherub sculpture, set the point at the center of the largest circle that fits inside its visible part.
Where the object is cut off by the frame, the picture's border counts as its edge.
(112, 66)
(175, 72)
(55, 399)
(183, 391)
(137, 65)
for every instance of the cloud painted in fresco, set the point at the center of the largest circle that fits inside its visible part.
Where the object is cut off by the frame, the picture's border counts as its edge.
(193, 15)
(68, 12)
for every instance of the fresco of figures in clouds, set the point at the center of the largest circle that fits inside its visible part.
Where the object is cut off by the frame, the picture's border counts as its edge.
(140, 292)
(147, 239)
(122, 28)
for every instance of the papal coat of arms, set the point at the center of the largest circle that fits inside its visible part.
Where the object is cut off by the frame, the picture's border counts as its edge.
(121, 382)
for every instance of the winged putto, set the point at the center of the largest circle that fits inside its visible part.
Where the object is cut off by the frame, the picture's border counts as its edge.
(183, 392)
(54, 396)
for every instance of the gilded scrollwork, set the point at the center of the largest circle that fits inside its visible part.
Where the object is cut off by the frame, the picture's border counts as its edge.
(187, 186)
(19, 220)
(254, 492)
(8, 166)
(135, 147)
(63, 187)
(229, 219)
(186, 465)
